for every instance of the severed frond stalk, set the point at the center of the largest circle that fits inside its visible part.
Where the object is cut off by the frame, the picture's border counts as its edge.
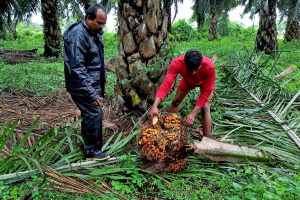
(78, 187)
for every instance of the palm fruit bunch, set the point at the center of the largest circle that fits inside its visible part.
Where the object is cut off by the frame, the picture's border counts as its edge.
(162, 145)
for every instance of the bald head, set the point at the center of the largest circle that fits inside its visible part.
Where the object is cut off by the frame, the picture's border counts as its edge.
(96, 17)
(92, 11)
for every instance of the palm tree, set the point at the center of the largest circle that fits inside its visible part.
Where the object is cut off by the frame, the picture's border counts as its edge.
(143, 40)
(52, 33)
(213, 9)
(13, 11)
(266, 39)
(291, 9)
(73, 9)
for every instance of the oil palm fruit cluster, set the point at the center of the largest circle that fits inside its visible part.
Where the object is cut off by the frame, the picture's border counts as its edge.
(165, 142)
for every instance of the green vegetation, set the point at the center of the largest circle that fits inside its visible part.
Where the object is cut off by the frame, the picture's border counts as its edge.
(40, 77)
(232, 109)
(201, 179)
(27, 39)
(239, 40)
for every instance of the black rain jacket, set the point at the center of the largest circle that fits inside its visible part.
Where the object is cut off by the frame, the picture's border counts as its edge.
(84, 62)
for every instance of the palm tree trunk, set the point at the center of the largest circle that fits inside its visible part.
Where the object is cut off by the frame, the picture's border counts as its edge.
(12, 27)
(213, 24)
(266, 39)
(221, 151)
(234, 153)
(167, 10)
(52, 33)
(292, 30)
(143, 25)
(87, 4)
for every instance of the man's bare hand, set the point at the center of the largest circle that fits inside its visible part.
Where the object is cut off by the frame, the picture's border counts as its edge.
(153, 112)
(97, 102)
(189, 120)
(106, 81)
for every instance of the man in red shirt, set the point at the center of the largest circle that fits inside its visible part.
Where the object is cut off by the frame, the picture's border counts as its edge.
(196, 71)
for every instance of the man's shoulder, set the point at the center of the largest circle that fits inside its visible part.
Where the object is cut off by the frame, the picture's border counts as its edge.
(208, 62)
(179, 60)
(76, 31)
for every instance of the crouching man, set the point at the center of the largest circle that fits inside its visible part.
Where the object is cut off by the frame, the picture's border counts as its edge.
(196, 71)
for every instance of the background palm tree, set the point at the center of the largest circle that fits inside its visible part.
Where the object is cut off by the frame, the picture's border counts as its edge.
(74, 9)
(266, 39)
(52, 33)
(13, 11)
(291, 10)
(212, 9)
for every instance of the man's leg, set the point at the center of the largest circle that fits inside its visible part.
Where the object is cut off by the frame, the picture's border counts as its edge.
(206, 117)
(180, 95)
(91, 126)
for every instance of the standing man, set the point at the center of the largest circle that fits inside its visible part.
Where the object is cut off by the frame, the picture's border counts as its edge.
(85, 75)
(196, 71)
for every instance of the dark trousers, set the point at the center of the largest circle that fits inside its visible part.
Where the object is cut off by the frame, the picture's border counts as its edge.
(91, 126)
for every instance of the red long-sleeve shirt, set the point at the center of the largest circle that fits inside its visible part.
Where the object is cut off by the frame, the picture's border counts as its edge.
(205, 78)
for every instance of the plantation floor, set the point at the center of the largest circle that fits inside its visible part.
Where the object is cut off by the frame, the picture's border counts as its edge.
(201, 178)
(11, 57)
(50, 111)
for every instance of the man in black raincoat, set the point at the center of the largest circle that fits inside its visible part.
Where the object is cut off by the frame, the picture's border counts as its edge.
(85, 75)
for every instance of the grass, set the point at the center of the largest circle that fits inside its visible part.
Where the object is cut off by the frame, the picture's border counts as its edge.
(40, 77)
(201, 178)
(27, 39)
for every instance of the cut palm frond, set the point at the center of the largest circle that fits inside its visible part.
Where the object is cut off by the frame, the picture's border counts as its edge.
(267, 129)
(72, 185)
(27, 156)
(50, 151)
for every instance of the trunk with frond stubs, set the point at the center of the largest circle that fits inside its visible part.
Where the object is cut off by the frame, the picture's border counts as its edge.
(52, 33)
(87, 4)
(292, 31)
(213, 24)
(143, 34)
(266, 39)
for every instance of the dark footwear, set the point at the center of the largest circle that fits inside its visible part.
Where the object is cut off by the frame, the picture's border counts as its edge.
(96, 155)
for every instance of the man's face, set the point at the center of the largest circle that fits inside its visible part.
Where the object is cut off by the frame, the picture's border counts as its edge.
(98, 23)
(193, 71)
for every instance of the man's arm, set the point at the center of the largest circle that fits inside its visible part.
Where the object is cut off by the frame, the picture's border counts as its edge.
(78, 69)
(190, 118)
(167, 84)
(105, 75)
(163, 90)
(154, 110)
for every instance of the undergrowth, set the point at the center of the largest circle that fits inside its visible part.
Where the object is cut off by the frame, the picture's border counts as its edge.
(201, 179)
